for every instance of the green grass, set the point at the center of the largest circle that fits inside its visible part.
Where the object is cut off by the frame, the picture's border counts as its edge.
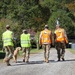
(71, 50)
(32, 51)
(1, 51)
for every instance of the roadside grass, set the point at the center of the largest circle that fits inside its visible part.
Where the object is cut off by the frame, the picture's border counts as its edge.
(32, 51)
(71, 50)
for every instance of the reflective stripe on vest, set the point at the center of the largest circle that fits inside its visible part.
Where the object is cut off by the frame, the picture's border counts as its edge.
(7, 40)
(24, 41)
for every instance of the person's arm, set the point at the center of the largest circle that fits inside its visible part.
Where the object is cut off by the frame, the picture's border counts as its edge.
(65, 37)
(54, 37)
(51, 36)
(2, 37)
(40, 38)
(13, 38)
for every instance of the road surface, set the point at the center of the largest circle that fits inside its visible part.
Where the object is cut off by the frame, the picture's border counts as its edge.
(38, 67)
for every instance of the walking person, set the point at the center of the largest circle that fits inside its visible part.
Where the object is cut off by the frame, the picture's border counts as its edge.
(45, 41)
(25, 44)
(7, 38)
(60, 41)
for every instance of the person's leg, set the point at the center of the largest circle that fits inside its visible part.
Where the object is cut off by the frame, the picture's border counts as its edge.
(27, 54)
(58, 50)
(47, 52)
(6, 54)
(63, 51)
(24, 53)
(44, 48)
(6, 59)
(11, 51)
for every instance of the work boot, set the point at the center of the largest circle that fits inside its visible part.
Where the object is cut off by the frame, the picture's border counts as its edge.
(15, 61)
(8, 64)
(6, 59)
(58, 59)
(47, 61)
(23, 60)
(27, 61)
(63, 59)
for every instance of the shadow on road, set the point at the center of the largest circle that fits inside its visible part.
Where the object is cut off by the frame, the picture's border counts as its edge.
(39, 62)
(70, 60)
(32, 62)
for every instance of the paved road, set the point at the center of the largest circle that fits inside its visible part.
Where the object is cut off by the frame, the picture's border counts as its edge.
(38, 67)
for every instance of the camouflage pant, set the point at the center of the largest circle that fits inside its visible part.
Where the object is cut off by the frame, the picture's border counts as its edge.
(26, 53)
(9, 52)
(60, 47)
(46, 48)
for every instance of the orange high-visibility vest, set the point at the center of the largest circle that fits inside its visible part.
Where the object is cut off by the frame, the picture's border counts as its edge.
(60, 35)
(45, 37)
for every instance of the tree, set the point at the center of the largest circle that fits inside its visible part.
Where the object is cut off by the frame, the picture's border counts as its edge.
(65, 22)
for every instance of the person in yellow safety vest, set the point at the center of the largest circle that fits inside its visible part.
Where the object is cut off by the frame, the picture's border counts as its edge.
(25, 44)
(60, 41)
(7, 38)
(45, 40)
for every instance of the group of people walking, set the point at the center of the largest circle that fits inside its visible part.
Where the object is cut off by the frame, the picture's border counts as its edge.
(8, 44)
(45, 39)
(60, 40)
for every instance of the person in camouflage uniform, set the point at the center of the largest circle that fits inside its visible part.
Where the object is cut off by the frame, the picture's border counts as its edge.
(60, 42)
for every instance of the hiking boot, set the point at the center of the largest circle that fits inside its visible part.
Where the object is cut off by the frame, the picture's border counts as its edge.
(47, 61)
(58, 59)
(44, 60)
(15, 61)
(8, 64)
(63, 59)
(27, 61)
(23, 60)
(6, 60)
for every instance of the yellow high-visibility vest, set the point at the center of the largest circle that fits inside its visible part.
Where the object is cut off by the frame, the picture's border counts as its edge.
(60, 35)
(7, 38)
(25, 40)
(45, 37)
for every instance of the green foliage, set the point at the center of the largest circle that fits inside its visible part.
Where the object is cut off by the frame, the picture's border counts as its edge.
(64, 20)
(14, 27)
(37, 40)
(34, 14)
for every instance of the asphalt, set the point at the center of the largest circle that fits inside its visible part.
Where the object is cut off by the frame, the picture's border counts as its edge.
(37, 66)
